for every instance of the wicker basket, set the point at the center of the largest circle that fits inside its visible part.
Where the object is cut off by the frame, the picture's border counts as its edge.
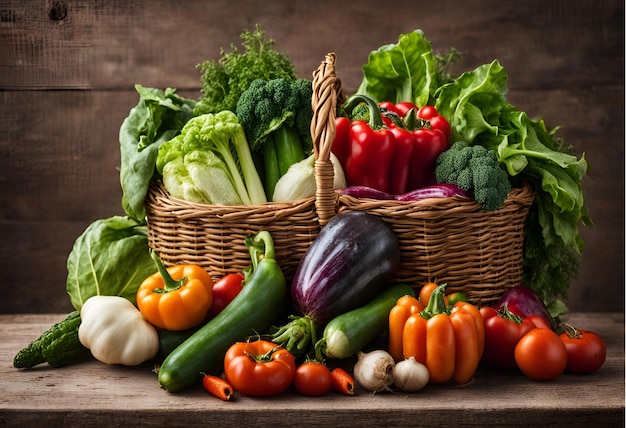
(445, 240)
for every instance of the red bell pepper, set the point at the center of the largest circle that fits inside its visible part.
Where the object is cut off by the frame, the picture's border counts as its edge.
(435, 120)
(431, 134)
(341, 144)
(401, 160)
(371, 148)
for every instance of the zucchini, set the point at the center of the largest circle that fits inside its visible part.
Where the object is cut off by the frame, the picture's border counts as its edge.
(169, 340)
(251, 312)
(350, 332)
(58, 346)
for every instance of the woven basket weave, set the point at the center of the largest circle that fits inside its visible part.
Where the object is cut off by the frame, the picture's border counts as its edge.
(447, 240)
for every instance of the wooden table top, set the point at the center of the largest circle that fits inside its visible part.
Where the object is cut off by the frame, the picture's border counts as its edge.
(91, 393)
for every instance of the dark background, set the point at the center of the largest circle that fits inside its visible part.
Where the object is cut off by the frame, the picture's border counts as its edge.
(67, 70)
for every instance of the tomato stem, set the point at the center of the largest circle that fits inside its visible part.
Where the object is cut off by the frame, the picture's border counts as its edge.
(263, 358)
(571, 331)
(505, 313)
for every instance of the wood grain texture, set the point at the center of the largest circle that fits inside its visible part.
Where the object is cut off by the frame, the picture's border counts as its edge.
(67, 71)
(95, 394)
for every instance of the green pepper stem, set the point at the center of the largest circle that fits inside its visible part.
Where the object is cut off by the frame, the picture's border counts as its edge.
(170, 283)
(436, 303)
(376, 119)
(260, 246)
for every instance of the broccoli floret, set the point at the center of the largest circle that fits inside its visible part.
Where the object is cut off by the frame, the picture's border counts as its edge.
(474, 169)
(267, 105)
(276, 116)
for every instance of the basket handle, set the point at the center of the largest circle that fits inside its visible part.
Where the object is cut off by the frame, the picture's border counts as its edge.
(327, 94)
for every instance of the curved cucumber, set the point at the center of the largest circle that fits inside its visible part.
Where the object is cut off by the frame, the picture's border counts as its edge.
(253, 310)
(350, 332)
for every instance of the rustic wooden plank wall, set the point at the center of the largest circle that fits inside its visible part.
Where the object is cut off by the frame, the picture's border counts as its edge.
(67, 70)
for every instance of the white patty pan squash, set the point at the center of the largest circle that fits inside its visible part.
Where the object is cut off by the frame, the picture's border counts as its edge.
(116, 332)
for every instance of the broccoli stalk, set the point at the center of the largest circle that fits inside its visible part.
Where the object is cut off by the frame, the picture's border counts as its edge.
(276, 116)
(474, 169)
(222, 134)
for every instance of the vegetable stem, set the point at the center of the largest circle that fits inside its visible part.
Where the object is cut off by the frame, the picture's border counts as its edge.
(170, 283)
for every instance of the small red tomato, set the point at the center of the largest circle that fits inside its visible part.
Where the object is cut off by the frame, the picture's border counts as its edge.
(586, 351)
(541, 354)
(224, 291)
(313, 379)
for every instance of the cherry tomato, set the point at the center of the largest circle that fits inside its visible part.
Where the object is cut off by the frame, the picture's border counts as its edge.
(224, 291)
(541, 354)
(313, 379)
(259, 368)
(427, 112)
(586, 351)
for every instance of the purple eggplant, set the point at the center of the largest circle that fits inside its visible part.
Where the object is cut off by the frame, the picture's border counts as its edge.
(353, 258)
(522, 301)
(443, 190)
(365, 192)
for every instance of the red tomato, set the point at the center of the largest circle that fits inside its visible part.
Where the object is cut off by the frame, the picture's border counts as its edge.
(313, 379)
(502, 333)
(541, 354)
(586, 351)
(224, 291)
(259, 368)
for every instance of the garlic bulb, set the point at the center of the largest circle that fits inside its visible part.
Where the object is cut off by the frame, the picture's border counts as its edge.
(374, 370)
(410, 375)
(116, 332)
(299, 180)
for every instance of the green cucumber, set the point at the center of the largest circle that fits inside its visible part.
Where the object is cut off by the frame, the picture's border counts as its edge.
(350, 332)
(169, 340)
(58, 346)
(253, 311)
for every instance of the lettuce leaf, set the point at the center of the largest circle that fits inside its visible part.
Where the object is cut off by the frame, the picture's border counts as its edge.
(405, 71)
(158, 117)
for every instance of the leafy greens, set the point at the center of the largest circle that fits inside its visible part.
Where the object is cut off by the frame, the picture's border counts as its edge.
(475, 104)
(158, 117)
(111, 258)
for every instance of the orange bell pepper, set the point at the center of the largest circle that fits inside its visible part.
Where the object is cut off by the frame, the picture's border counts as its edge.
(404, 308)
(448, 340)
(176, 298)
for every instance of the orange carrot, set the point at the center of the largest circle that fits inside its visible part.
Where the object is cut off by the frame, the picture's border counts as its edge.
(217, 386)
(342, 381)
